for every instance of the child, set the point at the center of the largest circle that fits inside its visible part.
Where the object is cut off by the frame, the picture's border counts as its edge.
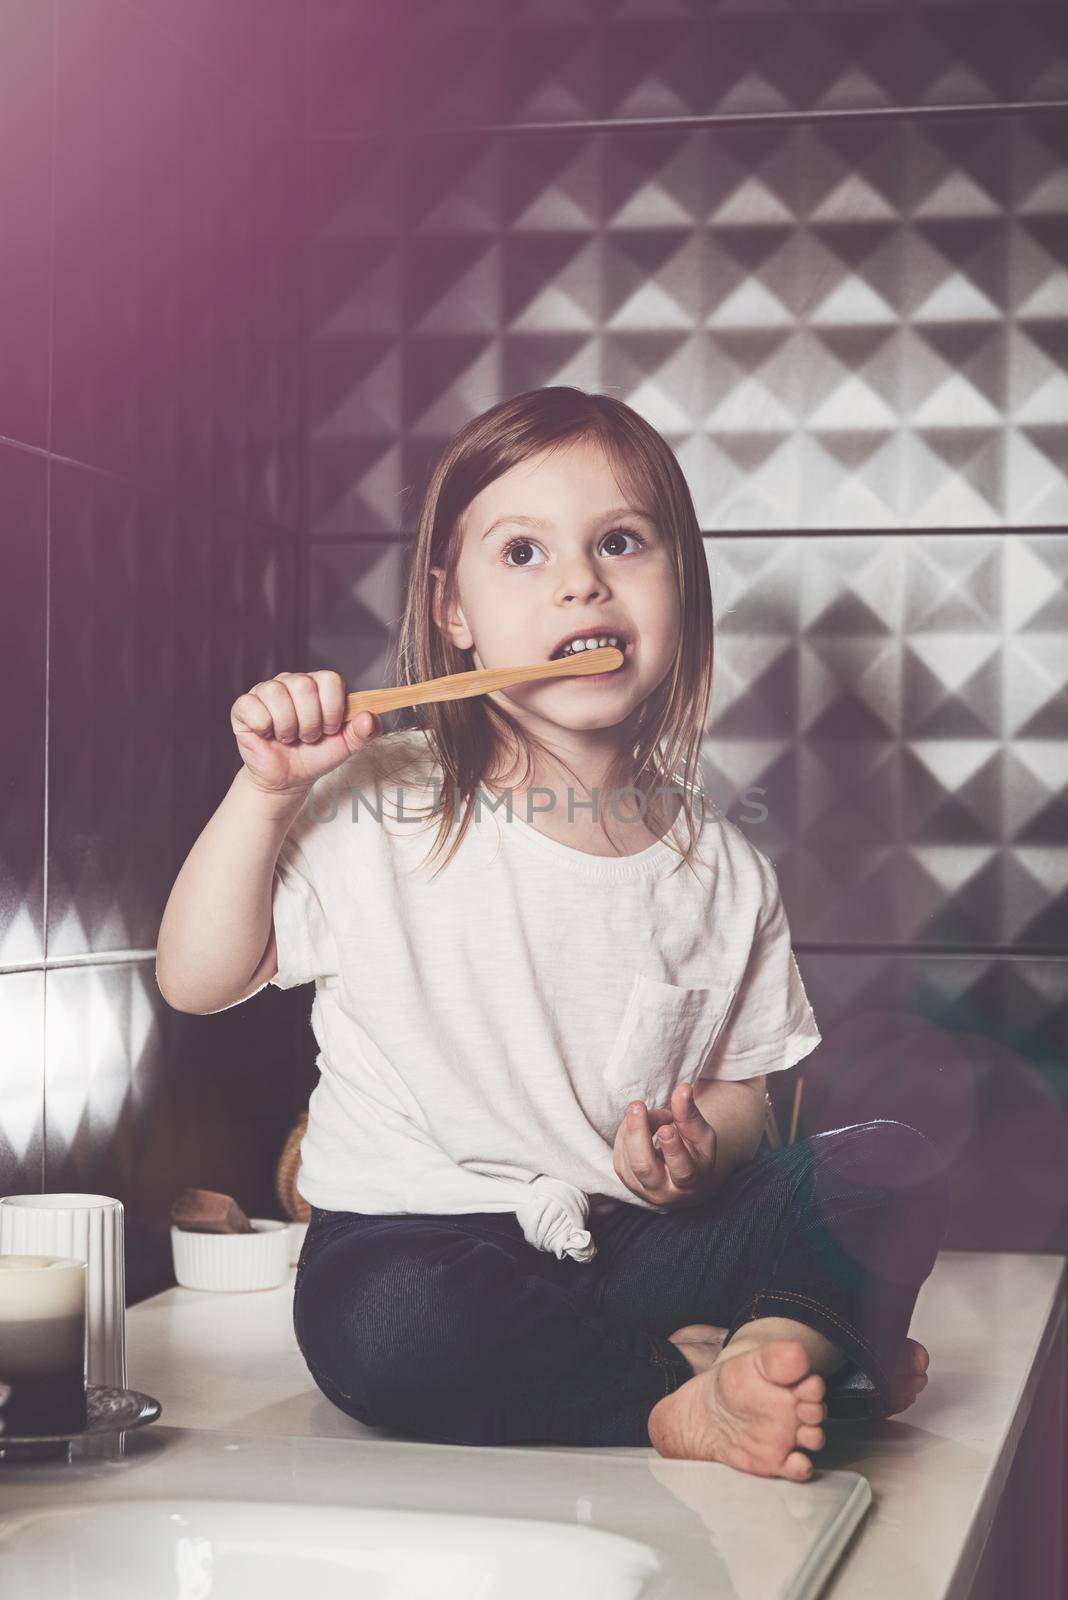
(538, 1208)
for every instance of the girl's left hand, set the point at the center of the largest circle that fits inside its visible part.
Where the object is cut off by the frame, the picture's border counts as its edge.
(681, 1172)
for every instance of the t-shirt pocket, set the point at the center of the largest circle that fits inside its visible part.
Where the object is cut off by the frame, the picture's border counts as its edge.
(664, 1038)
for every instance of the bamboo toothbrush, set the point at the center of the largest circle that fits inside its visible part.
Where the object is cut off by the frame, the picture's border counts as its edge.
(461, 685)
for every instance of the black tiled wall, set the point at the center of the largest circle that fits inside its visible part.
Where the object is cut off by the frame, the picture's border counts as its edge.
(150, 486)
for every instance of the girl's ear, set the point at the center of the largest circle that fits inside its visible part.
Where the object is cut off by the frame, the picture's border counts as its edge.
(438, 578)
(455, 625)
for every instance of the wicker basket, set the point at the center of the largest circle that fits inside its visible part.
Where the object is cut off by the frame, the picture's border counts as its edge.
(293, 1204)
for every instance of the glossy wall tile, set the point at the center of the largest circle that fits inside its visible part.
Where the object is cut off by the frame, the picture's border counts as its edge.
(356, 592)
(521, 62)
(142, 1101)
(176, 248)
(255, 46)
(835, 326)
(968, 1048)
(151, 491)
(23, 602)
(888, 723)
(22, 1125)
(26, 116)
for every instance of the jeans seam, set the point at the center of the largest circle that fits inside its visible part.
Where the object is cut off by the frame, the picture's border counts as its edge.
(817, 1305)
(321, 1378)
(786, 1294)
(673, 1379)
(660, 1360)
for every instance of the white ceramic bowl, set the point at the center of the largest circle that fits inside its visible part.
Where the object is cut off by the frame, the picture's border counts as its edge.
(232, 1262)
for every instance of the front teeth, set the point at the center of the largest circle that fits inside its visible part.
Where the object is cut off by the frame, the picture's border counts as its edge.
(589, 644)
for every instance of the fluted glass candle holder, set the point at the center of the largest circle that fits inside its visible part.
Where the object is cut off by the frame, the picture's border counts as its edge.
(89, 1228)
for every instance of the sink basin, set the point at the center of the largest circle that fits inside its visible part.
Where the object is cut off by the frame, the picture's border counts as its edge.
(199, 1514)
(228, 1550)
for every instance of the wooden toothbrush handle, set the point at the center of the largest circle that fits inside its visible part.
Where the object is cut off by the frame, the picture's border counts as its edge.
(461, 685)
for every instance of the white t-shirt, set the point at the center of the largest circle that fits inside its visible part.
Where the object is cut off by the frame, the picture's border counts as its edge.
(480, 1033)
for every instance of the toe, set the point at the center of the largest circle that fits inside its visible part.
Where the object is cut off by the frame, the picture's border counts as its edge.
(914, 1357)
(811, 1438)
(698, 1333)
(811, 1388)
(908, 1388)
(811, 1411)
(797, 1466)
(907, 1393)
(784, 1361)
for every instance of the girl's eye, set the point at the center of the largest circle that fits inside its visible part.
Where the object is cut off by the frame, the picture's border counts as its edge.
(616, 533)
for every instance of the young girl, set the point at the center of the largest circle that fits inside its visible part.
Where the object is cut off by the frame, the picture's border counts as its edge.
(539, 1209)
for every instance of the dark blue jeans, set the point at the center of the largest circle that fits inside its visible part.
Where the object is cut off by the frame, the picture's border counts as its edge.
(455, 1328)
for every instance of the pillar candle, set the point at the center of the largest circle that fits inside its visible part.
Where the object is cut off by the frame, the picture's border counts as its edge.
(42, 1344)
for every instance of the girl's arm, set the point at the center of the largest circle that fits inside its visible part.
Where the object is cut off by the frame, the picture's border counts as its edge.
(217, 924)
(216, 940)
(736, 1110)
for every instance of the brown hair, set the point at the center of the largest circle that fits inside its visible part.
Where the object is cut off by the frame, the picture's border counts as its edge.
(467, 736)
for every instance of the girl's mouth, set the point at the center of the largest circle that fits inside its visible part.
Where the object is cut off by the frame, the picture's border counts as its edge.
(580, 643)
(602, 677)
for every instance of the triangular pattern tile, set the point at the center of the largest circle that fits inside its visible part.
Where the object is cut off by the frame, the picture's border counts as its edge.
(473, 63)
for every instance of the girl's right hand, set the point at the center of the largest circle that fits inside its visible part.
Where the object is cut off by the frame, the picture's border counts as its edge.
(290, 730)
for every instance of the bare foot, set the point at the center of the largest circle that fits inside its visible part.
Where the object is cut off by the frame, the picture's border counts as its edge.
(701, 1343)
(749, 1411)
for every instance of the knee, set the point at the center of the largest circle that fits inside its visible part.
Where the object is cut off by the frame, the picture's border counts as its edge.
(898, 1150)
(397, 1327)
(900, 1159)
(415, 1315)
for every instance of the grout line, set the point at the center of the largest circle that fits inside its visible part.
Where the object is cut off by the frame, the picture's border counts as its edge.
(1013, 529)
(984, 952)
(711, 119)
(148, 486)
(110, 958)
(302, 585)
(47, 722)
(388, 536)
(301, 555)
(95, 958)
(393, 536)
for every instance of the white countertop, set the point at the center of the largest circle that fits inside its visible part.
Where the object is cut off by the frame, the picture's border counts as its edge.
(254, 1516)
(230, 1363)
(907, 1501)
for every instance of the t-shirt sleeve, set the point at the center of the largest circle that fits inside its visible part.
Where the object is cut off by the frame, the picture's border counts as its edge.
(771, 1025)
(303, 939)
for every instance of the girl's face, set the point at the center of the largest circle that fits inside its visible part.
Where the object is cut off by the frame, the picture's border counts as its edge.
(594, 562)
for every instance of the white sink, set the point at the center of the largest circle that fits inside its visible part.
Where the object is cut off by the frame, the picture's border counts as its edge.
(194, 1514)
(218, 1550)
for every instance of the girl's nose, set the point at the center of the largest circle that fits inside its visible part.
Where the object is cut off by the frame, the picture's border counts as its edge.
(582, 586)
